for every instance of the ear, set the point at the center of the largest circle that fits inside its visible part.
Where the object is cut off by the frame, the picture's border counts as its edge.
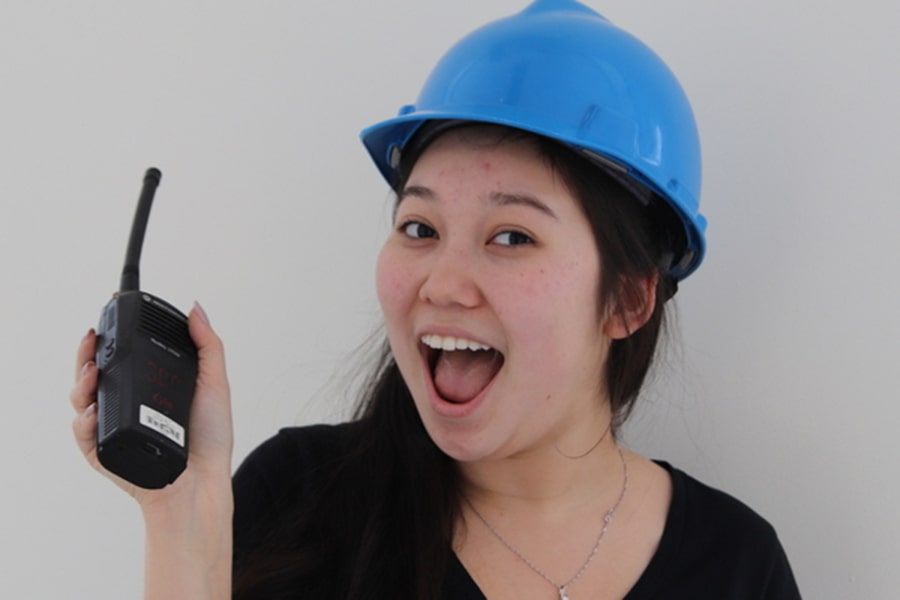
(633, 307)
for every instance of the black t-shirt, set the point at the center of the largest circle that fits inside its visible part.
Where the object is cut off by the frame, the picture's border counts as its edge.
(713, 546)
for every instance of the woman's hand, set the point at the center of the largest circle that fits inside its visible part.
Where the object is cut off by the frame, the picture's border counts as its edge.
(210, 422)
(188, 522)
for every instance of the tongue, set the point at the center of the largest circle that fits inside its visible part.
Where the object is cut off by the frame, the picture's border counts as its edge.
(459, 376)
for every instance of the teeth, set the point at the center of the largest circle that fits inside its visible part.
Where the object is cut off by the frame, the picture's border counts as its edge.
(448, 343)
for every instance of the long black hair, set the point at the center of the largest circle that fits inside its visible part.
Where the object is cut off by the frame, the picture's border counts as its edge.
(382, 524)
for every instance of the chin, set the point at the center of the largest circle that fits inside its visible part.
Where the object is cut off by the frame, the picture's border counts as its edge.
(459, 450)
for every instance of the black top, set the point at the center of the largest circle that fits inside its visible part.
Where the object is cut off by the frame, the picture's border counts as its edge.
(713, 546)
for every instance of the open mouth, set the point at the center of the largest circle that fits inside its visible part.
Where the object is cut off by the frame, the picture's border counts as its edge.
(460, 368)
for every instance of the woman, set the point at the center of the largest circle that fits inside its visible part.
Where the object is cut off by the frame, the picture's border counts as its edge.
(547, 185)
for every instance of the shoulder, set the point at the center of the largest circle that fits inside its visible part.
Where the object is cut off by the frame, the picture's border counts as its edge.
(711, 514)
(294, 447)
(714, 545)
(277, 476)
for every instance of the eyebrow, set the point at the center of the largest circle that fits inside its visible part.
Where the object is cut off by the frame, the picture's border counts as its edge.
(504, 199)
(496, 198)
(417, 191)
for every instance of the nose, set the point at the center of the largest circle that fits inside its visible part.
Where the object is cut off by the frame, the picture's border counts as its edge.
(451, 280)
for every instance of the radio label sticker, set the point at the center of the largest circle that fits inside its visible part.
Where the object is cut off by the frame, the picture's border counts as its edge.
(160, 423)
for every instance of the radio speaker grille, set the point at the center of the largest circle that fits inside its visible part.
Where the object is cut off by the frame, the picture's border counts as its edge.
(167, 328)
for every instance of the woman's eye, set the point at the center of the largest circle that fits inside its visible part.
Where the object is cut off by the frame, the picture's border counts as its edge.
(512, 238)
(417, 230)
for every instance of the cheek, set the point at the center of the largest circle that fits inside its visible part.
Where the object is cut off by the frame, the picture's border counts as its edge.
(550, 291)
(554, 309)
(393, 283)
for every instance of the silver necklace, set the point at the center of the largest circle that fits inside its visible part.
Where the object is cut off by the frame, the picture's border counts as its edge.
(563, 588)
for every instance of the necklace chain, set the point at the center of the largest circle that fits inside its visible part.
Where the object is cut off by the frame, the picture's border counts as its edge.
(563, 588)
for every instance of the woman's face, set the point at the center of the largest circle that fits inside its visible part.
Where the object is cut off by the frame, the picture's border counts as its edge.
(489, 286)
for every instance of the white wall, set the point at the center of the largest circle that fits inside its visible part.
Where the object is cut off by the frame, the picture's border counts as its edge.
(780, 387)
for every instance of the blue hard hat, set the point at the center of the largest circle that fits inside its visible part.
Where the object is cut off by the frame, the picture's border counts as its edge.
(560, 70)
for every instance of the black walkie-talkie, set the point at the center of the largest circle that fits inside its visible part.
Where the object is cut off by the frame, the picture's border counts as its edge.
(148, 369)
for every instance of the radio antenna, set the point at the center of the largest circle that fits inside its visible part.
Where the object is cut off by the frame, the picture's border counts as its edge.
(131, 278)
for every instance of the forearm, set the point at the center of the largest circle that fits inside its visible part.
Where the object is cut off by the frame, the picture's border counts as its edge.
(188, 553)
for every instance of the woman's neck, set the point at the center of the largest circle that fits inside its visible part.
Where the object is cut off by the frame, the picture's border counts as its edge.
(548, 477)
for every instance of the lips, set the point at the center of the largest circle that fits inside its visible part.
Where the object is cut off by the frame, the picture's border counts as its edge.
(461, 369)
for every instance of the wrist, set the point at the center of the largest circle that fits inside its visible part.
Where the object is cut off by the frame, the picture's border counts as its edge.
(183, 566)
(188, 537)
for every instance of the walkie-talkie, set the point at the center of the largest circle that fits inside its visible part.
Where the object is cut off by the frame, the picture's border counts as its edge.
(148, 369)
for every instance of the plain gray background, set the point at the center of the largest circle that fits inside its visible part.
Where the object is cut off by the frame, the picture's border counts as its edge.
(778, 386)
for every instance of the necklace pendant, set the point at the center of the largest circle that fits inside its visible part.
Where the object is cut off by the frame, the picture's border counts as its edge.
(563, 595)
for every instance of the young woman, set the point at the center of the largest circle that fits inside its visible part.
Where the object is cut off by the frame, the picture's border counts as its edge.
(547, 185)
